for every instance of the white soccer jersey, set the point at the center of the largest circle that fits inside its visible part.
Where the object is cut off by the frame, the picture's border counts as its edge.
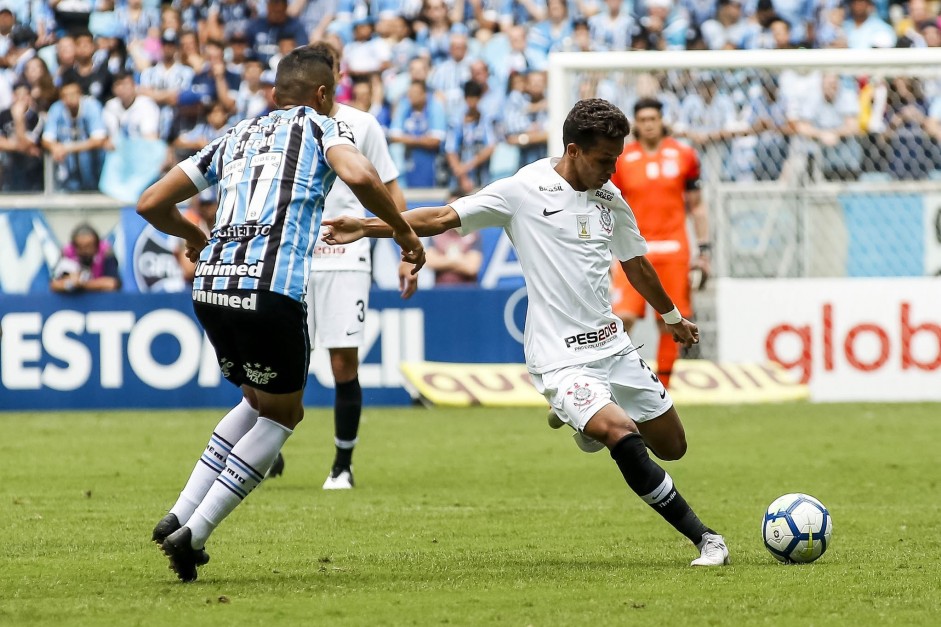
(371, 141)
(140, 119)
(565, 240)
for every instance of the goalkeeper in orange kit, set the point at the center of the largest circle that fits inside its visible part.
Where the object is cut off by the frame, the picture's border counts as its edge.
(659, 178)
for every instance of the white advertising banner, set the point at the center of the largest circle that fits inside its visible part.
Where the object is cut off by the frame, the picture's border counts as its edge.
(848, 339)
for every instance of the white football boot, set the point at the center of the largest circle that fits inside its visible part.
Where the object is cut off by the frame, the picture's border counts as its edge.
(713, 551)
(339, 479)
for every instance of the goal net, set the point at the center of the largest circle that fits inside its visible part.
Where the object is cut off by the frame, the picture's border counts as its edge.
(815, 163)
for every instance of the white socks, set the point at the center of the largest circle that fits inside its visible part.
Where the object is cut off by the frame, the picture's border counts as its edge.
(227, 433)
(245, 468)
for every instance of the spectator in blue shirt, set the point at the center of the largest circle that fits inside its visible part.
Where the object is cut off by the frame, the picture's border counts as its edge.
(448, 77)
(420, 125)
(469, 144)
(527, 116)
(831, 119)
(611, 29)
(433, 30)
(215, 82)
(864, 28)
(547, 36)
(493, 92)
(226, 18)
(727, 31)
(264, 33)
(74, 135)
(800, 14)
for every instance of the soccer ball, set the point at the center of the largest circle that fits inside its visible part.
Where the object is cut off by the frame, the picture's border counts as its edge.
(796, 528)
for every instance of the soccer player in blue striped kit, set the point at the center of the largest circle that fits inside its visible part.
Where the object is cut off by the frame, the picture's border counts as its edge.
(273, 172)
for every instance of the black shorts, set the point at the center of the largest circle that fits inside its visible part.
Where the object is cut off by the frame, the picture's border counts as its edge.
(260, 337)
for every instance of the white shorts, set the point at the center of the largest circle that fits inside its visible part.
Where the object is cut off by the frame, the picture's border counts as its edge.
(336, 308)
(577, 393)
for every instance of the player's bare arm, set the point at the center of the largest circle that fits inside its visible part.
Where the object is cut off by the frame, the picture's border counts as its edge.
(425, 221)
(408, 282)
(158, 203)
(645, 280)
(359, 174)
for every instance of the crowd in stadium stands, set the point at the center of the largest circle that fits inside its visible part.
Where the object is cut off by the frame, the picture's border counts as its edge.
(460, 85)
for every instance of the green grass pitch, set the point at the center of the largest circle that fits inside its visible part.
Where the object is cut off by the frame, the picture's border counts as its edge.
(473, 517)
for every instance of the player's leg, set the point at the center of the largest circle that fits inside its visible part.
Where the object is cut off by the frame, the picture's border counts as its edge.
(226, 434)
(347, 412)
(223, 336)
(665, 435)
(247, 462)
(586, 401)
(652, 483)
(272, 360)
(341, 299)
(636, 389)
(674, 275)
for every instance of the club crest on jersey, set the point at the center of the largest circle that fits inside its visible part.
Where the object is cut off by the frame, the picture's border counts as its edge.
(584, 226)
(581, 395)
(607, 222)
(257, 375)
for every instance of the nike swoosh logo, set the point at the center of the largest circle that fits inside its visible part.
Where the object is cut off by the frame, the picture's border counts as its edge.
(663, 394)
(548, 213)
(352, 332)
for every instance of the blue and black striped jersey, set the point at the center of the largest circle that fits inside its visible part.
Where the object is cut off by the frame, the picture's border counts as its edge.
(273, 177)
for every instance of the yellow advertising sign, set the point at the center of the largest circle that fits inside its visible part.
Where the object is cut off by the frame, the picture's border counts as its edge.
(694, 382)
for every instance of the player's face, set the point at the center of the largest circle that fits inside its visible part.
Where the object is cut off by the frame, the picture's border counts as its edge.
(649, 124)
(596, 165)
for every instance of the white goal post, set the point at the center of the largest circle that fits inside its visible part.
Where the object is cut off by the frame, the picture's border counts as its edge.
(778, 207)
(926, 61)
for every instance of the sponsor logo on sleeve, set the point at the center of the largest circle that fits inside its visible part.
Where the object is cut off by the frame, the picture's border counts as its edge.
(344, 131)
(604, 194)
(551, 188)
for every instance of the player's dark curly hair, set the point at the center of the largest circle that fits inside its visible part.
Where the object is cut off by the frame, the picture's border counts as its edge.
(591, 120)
(302, 71)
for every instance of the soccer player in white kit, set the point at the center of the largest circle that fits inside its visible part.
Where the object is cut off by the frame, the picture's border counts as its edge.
(566, 220)
(338, 291)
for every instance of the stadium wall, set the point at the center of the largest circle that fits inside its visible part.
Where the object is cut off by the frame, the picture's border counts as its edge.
(147, 350)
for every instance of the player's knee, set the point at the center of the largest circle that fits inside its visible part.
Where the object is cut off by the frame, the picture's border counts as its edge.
(344, 364)
(671, 450)
(610, 432)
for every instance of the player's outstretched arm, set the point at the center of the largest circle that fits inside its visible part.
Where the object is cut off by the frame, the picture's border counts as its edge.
(645, 280)
(358, 173)
(158, 203)
(424, 220)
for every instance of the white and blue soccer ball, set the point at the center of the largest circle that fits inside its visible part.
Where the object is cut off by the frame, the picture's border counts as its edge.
(797, 528)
